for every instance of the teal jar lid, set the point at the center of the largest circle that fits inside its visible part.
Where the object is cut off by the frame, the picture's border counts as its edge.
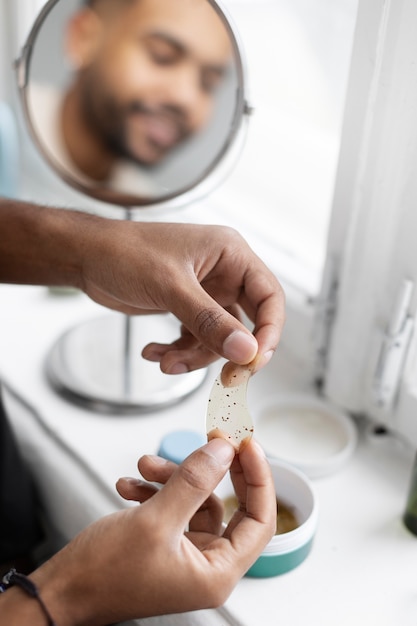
(179, 444)
(276, 564)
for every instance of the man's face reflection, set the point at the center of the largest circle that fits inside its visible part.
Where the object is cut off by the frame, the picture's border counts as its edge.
(147, 72)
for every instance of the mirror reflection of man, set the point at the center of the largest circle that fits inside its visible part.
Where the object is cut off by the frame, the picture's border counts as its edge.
(145, 77)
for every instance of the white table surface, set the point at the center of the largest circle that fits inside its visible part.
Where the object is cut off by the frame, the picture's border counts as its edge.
(362, 569)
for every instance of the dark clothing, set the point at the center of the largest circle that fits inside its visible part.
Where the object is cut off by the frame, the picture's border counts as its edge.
(20, 530)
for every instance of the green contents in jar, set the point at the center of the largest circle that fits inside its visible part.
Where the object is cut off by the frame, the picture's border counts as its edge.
(286, 518)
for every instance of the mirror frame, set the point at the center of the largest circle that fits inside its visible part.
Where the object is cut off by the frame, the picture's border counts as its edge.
(203, 184)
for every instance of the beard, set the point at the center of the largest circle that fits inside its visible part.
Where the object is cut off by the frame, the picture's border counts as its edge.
(135, 131)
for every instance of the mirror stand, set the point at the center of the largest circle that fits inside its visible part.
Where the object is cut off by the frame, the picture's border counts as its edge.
(97, 364)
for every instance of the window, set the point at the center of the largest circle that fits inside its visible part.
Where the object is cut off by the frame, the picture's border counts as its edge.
(345, 205)
(298, 58)
(371, 354)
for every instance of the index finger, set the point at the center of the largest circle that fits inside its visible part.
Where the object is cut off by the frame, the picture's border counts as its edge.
(263, 300)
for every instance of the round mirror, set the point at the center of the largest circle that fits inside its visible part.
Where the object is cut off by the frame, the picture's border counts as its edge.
(133, 102)
(136, 103)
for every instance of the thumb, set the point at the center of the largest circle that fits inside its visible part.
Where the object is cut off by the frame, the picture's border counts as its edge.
(193, 482)
(215, 327)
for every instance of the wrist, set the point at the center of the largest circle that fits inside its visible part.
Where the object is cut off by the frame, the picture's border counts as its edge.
(55, 589)
(19, 609)
(66, 592)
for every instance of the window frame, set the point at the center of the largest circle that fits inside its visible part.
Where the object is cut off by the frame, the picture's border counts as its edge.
(374, 198)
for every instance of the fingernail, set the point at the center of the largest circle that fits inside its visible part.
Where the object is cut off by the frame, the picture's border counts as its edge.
(221, 450)
(261, 360)
(157, 460)
(132, 481)
(240, 347)
(178, 368)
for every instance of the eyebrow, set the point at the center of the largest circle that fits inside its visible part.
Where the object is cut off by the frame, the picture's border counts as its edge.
(180, 48)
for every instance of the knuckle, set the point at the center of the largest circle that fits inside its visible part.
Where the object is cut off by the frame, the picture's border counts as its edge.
(195, 480)
(208, 321)
(228, 233)
(201, 472)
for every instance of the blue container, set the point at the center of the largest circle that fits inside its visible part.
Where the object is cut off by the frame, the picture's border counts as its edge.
(177, 445)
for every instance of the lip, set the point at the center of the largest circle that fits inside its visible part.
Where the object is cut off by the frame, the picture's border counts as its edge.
(159, 129)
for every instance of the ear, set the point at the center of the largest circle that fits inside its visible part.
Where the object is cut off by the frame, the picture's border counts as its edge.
(83, 36)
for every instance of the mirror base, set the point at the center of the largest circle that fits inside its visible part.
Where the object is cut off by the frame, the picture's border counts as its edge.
(98, 365)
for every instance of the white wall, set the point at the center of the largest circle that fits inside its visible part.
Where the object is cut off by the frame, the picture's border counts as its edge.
(6, 56)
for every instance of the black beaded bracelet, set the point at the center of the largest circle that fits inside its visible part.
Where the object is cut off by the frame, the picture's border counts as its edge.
(13, 578)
